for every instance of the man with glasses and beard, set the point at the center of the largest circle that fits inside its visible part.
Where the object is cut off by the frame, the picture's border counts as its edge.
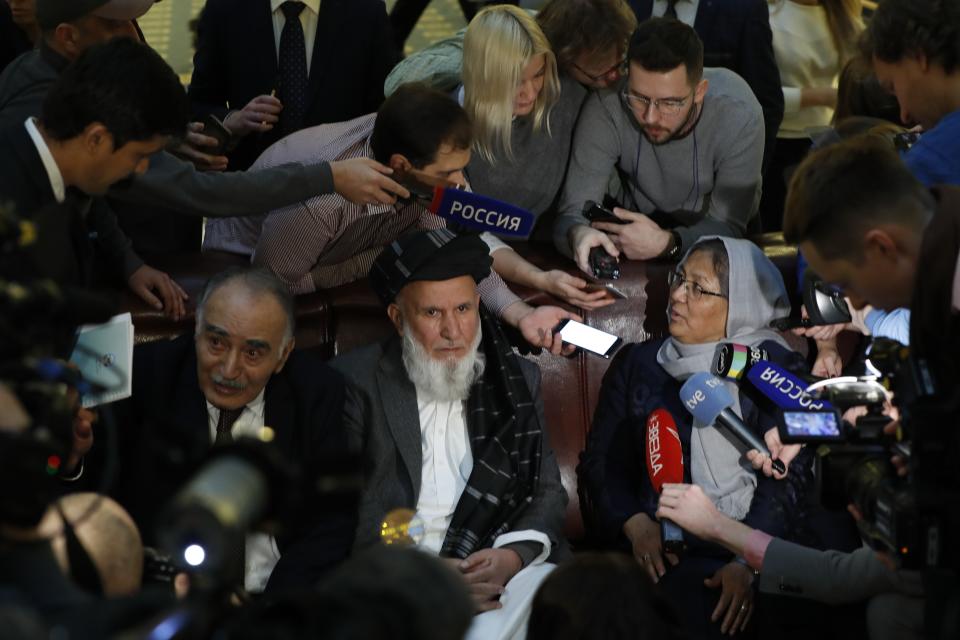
(686, 142)
(451, 425)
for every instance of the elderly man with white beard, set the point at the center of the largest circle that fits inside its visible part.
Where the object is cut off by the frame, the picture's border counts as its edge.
(450, 423)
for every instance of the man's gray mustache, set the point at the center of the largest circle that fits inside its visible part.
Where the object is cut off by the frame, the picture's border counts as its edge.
(232, 384)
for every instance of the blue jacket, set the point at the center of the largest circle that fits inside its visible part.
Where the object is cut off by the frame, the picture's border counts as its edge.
(935, 158)
(613, 474)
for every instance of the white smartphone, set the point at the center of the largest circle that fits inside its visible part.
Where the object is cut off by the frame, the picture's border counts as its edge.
(593, 340)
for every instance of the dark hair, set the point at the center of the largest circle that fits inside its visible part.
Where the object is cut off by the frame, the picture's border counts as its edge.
(575, 27)
(607, 596)
(839, 190)
(859, 94)
(257, 280)
(416, 121)
(721, 261)
(125, 86)
(901, 28)
(395, 592)
(663, 44)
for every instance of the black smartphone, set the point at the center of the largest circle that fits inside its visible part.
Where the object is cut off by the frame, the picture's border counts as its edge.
(603, 265)
(595, 213)
(825, 425)
(903, 141)
(671, 538)
(214, 127)
(593, 340)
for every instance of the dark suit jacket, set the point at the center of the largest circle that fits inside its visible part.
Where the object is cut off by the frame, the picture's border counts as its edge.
(13, 40)
(164, 438)
(381, 414)
(736, 35)
(63, 250)
(236, 60)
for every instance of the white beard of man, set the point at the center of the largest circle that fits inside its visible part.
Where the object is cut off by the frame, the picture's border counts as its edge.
(438, 379)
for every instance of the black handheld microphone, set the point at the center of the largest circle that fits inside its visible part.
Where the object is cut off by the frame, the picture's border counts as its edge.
(732, 361)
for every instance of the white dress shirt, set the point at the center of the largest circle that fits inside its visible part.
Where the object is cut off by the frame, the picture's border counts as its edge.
(308, 19)
(53, 171)
(262, 553)
(686, 10)
(447, 462)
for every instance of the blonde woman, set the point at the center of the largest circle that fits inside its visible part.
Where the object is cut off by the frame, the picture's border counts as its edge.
(522, 114)
(812, 41)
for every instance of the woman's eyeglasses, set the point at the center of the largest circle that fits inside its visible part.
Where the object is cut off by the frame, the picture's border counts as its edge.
(693, 289)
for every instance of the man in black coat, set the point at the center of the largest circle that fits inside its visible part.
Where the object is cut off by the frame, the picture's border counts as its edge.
(237, 376)
(117, 105)
(238, 74)
(736, 35)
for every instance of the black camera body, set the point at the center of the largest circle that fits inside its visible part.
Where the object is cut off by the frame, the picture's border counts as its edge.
(604, 265)
(911, 518)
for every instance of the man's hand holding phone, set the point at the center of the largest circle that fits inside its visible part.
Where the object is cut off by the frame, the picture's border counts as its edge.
(257, 116)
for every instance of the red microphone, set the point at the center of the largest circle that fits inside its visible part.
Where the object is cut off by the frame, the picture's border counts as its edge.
(665, 466)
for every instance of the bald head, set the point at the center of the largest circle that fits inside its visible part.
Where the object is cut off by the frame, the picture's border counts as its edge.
(110, 538)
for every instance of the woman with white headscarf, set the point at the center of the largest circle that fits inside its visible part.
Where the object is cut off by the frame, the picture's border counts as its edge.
(723, 290)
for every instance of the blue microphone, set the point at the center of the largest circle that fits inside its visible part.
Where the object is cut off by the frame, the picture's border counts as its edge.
(784, 389)
(708, 400)
(480, 212)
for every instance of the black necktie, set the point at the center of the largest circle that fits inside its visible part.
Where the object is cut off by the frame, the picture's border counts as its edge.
(293, 69)
(671, 11)
(225, 424)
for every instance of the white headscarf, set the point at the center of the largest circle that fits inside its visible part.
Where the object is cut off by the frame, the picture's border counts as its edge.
(757, 296)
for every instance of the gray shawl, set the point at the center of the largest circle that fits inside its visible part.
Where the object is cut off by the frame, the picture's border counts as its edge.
(757, 296)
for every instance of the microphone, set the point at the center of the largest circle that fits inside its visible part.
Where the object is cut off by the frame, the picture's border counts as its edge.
(665, 465)
(49, 370)
(732, 360)
(479, 212)
(706, 397)
(785, 390)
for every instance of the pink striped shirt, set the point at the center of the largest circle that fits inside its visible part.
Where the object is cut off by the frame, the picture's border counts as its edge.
(327, 241)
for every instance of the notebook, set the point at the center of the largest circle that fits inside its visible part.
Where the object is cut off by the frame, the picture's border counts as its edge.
(104, 356)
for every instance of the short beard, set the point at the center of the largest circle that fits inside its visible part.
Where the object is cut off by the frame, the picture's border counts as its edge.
(442, 380)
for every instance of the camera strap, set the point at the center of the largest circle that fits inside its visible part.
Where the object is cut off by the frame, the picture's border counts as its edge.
(81, 567)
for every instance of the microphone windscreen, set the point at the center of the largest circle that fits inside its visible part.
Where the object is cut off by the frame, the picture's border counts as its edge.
(705, 396)
(783, 388)
(481, 213)
(732, 360)
(664, 451)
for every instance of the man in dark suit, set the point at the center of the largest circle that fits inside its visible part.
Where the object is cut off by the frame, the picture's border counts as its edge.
(450, 421)
(237, 376)
(736, 35)
(115, 107)
(250, 71)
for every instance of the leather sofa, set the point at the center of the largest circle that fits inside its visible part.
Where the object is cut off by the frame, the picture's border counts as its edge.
(337, 320)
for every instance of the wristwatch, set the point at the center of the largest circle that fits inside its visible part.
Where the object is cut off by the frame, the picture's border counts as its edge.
(673, 250)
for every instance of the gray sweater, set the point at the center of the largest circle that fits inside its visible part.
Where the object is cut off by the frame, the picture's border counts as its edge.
(534, 177)
(705, 183)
